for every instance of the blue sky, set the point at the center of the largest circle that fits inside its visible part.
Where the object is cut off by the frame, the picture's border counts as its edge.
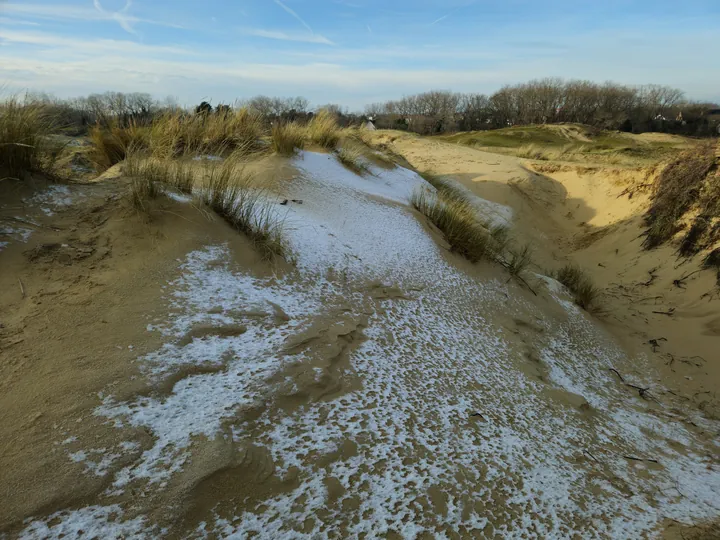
(352, 52)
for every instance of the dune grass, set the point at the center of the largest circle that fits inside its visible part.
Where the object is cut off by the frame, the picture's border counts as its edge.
(457, 221)
(178, 134)
(324, 130)
(579, 283)
(352, 156)
(231, 193)
(177, 174)
(22, 130)
(288, 138)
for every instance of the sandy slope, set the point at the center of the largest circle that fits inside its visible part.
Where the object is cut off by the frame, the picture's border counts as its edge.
(382, 387)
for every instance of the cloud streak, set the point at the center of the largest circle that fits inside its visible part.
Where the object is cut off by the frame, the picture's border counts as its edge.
(75, 13)
(294, 14)
(287, 36)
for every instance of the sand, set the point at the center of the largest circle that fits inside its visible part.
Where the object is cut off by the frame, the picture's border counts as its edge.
(159, 379)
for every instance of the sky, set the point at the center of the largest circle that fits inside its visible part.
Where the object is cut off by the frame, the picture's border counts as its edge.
(352, 52)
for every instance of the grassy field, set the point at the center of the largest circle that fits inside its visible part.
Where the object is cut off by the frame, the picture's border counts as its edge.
(572, 142)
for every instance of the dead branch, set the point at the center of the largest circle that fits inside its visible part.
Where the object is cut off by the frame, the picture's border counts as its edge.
(22, 288)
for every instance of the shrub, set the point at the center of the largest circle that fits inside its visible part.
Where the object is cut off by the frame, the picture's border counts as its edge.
(323, 130)
(288, 138)
(22, 128)
(580, 285)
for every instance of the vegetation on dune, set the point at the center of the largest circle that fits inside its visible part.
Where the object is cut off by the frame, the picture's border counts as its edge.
(323, 130)
(225, 187)
(22, 144)
(231, 193)
(681, 187)
(178, 174)
(288, 138)
(579, 283)
(352, 156)
(457, 221)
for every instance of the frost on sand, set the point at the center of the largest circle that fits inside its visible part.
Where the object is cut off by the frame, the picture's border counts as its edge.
(391, 392)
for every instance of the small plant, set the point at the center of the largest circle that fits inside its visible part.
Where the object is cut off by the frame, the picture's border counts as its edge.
(531, 151)
(288, 138)
(323, 130)
(352, 157)
(142, 191)
(580, 285)
(518, 260)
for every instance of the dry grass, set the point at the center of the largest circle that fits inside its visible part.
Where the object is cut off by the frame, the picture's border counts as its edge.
(324, 130)
(112, 145)
(22, 131)
(678, 188)
(143, 190)
(531, 151)
(176, 174)
(352, 156)
(580, 284)
(457, 221)
(288, 138)
(231, 194)
(178, 134)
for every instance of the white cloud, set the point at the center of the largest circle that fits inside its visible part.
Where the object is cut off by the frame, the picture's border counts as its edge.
(287, 36)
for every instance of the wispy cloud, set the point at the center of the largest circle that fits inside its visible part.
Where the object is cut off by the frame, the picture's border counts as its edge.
(74, 12)
(86, 47)
(294, 14)
(287, 36)
(16, 22)
(120, 16)
(369, 29)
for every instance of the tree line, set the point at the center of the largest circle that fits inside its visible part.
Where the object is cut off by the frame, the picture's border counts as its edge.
(607, 106)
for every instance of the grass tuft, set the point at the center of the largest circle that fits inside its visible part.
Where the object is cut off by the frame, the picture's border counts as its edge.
(22, 131)
(231, 194)
(324, 130)
(457, 221)
(176, 174)
(288, 138)
(580, 285)
(518, 260)
(143, 190)
(352, 157)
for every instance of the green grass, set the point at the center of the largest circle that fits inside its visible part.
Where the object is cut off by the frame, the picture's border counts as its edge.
(568, 142)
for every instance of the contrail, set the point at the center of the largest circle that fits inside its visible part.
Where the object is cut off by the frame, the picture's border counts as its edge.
(291, 12)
